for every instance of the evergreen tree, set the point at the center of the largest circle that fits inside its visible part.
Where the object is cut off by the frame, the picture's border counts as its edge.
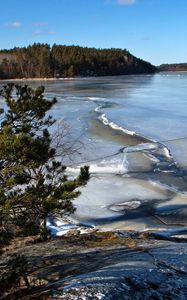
(71, 71)
(33, 183)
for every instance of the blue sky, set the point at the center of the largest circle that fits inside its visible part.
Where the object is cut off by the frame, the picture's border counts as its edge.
(154, 30)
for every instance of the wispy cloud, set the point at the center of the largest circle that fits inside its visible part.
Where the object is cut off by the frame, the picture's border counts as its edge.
(146, 38)
(40, 24)
(15, 24)
(126, 2)
(43, 32)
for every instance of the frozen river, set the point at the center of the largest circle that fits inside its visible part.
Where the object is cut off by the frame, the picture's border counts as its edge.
(132, 131)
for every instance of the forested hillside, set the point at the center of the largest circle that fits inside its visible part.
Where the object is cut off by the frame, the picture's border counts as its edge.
(41, 60)
(173, 67)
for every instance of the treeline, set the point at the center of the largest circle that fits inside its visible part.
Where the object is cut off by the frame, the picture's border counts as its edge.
(41, 60)
(173, 67)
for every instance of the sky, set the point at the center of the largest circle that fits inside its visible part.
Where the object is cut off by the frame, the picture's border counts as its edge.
(154, 30)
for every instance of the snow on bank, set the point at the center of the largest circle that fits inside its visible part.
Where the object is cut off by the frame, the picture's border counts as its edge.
(60, 227)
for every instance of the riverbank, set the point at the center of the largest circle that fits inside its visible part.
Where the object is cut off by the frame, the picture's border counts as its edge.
(39, 79)
(120, 265)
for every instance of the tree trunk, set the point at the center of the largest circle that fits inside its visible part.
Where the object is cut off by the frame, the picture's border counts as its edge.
(43, 230)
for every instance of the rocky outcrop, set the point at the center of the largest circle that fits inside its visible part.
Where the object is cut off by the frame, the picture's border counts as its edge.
(123, 265)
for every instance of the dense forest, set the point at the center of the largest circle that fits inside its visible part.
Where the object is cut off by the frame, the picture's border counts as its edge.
(43, 61)
(173, 67)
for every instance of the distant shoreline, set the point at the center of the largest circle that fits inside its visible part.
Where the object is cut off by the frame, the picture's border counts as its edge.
(74, 78)
(39, 79)
(173, 71)
(68, 78)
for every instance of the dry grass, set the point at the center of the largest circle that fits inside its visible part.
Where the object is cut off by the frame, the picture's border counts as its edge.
(20, 243)
(91, 240)
(88, 240)
(106, 239)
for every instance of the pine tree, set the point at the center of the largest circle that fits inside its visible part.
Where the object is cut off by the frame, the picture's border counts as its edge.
(33, 183)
